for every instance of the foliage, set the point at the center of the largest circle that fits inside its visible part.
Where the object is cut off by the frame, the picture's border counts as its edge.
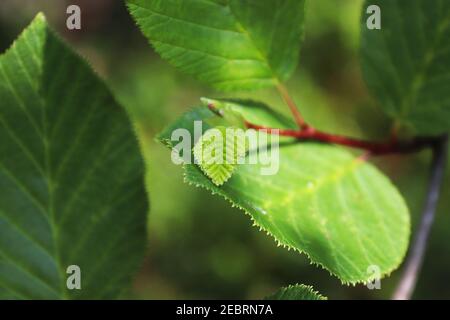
(72, 179)
(370, 46)
(406, 64)
(230, 44)
(70, 175)
(341, 211)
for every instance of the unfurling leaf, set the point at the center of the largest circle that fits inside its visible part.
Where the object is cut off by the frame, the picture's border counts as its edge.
(227, 116)
(219, 151)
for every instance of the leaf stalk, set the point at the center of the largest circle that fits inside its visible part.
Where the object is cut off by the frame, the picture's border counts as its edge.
(392, 146)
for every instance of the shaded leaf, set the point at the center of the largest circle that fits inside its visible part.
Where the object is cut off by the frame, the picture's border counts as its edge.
(71, 182)
(406, 64)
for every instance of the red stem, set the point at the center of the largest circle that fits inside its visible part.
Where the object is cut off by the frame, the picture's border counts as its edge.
(375, 148)
(308, 133)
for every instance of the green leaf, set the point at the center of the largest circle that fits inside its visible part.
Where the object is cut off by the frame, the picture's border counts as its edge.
(406, 64)
(219, 151)
(296, 292)
(72, 190)
(341, 211)
(230, 44)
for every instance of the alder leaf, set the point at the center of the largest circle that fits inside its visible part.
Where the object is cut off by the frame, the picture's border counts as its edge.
(231, 44)
(296, 292)
(219, 151)
(71, 176)
(406, 64)
(340, 211)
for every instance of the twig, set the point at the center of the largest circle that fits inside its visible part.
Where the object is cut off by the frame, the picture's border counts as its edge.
(439, 146)
(292, 106)
(309, 133)
(408, 280)
(391, 146)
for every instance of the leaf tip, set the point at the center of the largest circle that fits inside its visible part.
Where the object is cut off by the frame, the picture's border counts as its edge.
(40, 17)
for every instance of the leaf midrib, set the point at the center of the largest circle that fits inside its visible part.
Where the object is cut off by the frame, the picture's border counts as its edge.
(263, 59)
(48, 211)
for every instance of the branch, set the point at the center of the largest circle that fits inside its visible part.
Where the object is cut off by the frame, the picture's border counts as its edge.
(408, 280)
(375, 148)
(309, 133)
(439, 146)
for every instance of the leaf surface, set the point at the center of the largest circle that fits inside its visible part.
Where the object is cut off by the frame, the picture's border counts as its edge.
(71, 182)
(230, 44)
(406, 64)
(341, 211)
(219, 151)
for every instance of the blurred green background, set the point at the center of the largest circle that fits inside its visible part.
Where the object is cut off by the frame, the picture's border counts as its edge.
(198, 246)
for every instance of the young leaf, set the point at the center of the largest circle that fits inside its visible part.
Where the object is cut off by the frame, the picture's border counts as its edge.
(71, 183)
(296, 292)
(341, 211)
(406, 64)
(231, 44)
(227, 116)
(218, 152)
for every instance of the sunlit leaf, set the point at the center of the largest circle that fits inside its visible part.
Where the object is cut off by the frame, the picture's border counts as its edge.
(231, 44)
(218, 152)
(340, 211)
